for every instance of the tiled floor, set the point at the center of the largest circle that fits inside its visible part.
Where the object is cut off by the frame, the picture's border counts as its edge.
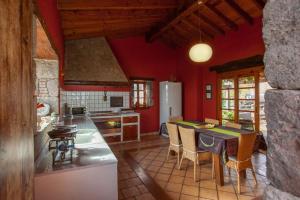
(144, 173)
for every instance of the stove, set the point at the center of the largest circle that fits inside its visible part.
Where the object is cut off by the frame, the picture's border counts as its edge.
(62, 143)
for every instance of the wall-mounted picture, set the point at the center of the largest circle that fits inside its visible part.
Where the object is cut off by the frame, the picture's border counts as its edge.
(208, 91)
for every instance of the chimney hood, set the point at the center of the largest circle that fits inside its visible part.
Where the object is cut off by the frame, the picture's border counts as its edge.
(92, 62)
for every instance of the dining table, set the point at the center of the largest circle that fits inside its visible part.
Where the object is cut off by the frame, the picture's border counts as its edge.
(221, 141)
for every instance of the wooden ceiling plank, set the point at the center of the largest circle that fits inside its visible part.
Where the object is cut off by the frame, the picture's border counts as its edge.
(229, 23)
(200, 32)
(176, 37)
(209, 22)
(240, 11)
(260, 4)
(115, 5)
(176, 20)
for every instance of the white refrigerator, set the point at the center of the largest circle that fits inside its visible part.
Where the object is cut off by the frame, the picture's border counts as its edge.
(170, 100)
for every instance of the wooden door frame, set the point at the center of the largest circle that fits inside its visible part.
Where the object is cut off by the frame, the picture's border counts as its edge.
(253, 71)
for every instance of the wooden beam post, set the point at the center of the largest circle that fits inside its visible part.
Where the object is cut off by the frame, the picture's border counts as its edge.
(240, 11)
(16, 101)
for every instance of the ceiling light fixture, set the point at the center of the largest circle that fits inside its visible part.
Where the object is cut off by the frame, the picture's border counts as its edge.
(200, 52)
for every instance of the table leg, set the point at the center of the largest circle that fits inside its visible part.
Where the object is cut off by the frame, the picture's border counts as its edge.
(243, 174)
(218, 169)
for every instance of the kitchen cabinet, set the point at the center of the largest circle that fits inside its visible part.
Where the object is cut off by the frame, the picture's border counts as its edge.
(130, 132)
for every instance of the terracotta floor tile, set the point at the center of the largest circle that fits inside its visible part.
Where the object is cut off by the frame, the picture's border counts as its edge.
(190, 181)
(162, 177)
(162, 184)
(227, 196)
(177, 172)
(146, 196)
(207, 193)
(173, 187)
(165, 170)
(153, 168)
(142, 188)
(168, 165)
(130, 192)
(187, 197)
(190, 190)
(208, 184)
(157, 163)
(228, 187)
(176, 179)
(174, 195)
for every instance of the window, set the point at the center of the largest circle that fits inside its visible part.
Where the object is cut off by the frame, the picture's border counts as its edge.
(141, 93)
(238, 98)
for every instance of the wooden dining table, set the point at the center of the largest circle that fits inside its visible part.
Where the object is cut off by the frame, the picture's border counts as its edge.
(224, 138)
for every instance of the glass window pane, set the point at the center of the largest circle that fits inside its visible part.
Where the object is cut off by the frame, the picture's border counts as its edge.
(141, 94)
(247, 120)
(247, 81)
(141, 101)
(228, 115)
(247, 105)
(228, 94)
(141, 86)
(247, 93)
(227, 83)
(135, 86)
(135, 94)
(227, 104)
(135, 101)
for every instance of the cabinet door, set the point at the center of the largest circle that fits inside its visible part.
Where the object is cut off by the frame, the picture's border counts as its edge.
(130, 132)
(132, 119)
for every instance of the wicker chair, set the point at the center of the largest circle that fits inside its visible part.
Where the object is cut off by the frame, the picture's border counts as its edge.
(243, 159)
(175, 144)
(233, 125)
(212, 121)
(189, 147)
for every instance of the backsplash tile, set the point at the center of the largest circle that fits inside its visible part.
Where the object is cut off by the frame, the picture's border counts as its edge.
(93, 100)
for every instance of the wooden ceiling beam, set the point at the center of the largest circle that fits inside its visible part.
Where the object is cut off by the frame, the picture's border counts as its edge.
(200, 32)
(209, 22)
(176, 37)
(228, 22)
(115, 5)
(156, 33)
(240, 11)
(260, 4)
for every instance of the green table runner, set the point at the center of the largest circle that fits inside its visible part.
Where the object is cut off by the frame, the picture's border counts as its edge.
(187, 123)
(227, 132)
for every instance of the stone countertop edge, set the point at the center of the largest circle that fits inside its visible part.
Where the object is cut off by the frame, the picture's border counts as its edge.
(83, 123)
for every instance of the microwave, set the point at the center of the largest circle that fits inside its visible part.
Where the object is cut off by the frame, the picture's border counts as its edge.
(81, 110)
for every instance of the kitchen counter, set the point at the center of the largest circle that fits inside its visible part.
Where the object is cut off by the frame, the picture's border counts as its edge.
(90, 148)
(92, 173)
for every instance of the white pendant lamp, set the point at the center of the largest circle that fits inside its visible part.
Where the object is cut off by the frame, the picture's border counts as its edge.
(200, 52)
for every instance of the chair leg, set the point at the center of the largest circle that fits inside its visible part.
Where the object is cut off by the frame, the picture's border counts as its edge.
(195, 170)
(253, 173)
(238, 182)
(178, 158)
(181, 160)
(212, 168)
(168, 153)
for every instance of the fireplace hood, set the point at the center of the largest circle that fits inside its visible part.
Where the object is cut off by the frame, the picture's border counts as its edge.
(92, 62)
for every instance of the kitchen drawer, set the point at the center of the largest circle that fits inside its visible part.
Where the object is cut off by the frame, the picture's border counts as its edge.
(113, 139)
(130, 133)
(132, 119)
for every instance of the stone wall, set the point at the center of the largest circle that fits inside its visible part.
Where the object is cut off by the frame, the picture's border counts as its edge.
(281, 33)
(47, 82)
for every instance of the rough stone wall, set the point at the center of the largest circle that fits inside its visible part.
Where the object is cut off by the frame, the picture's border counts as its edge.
(47, 82)
(281, 34)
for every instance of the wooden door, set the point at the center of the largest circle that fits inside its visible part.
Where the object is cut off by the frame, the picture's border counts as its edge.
(16, 100)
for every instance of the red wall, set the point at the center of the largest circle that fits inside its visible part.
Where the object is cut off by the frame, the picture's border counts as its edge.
(140, 59)
(50, 15)
(245, 42)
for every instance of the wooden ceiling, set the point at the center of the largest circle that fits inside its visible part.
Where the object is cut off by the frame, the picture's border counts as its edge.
(176, 22)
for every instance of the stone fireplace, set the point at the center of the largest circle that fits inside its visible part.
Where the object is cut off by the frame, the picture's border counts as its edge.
(281, 33)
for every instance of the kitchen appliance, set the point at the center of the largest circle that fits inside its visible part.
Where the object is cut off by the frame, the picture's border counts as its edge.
(170, 100)
(69, 110)
(116, 102)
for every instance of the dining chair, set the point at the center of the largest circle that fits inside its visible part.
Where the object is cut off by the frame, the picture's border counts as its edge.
(175, 144)
(211, 121)
(190, 150)
(233, 125)
(175, 118)
(243, 161)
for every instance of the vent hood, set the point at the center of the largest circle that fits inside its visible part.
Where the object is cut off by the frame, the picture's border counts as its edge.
(92, 62)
